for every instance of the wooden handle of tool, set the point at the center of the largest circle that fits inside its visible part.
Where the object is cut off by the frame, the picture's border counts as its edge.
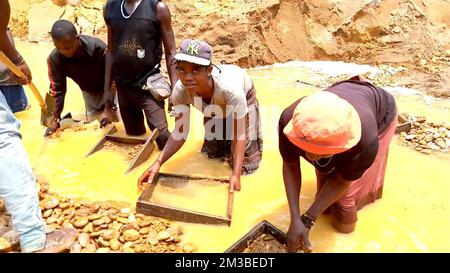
(14, 69)
(38, 96)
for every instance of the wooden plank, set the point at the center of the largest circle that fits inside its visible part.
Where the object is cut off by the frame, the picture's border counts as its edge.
(403, 124)
(405, 127)
(147, 193)
(145, 206)
(193, 177)
(127, 139)
(142, 156)
(145, 151)
(178, 214)
(102, 141)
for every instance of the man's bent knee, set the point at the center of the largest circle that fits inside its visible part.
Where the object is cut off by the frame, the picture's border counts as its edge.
(341, 227)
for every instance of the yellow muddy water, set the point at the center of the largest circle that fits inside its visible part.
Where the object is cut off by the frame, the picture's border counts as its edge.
(412, 216)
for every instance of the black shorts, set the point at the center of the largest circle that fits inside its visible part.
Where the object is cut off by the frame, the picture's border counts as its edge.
(132, 101)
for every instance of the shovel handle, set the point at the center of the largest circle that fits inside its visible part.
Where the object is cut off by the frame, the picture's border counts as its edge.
(14, 69)
(38, 96)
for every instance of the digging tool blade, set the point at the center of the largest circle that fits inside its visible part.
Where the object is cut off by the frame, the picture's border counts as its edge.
(47, 114)
(145, 152)
(109, 131)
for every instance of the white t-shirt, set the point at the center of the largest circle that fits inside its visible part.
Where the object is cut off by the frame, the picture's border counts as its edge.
(231, 86)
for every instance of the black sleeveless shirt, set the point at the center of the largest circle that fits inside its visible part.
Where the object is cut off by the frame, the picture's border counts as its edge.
(136, 41)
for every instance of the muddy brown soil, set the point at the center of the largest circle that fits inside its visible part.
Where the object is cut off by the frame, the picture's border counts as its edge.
(131, 150)
(404, 33)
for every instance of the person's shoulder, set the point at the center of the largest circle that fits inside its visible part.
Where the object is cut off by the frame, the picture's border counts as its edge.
(288, 112)
(86, 37)
(178, 88)
(285, 117)
(111, 4)
(162, 10)
(228, 77)
(231, 69)
(93, 44)
(54, 57)
(99, 42)
(179, 96)
(159, 5)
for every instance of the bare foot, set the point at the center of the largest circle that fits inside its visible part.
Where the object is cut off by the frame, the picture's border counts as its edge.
(59, 240)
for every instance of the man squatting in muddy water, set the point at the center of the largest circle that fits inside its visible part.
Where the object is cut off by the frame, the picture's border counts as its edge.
(226, 95)
(81, 58)
(344, 131)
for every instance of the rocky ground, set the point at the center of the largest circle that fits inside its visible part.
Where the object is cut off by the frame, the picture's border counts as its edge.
(265, 243)
(409, 34)
(408, 40)
(425, 136)
(101, 227)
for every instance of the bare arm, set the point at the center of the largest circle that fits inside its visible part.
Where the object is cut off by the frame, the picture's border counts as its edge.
(173, 145)
(332, 190)
(239, 145)
(238, 153)
(164, 17)
(10, 37)
(109, 60)
(293, 183)
(108, 90)
(298, 233)
(7, 46)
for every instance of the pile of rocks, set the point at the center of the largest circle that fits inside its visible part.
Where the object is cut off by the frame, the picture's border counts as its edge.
(327, 82)
(9, 239)
(426, 136)
(102, 228)
(385, 76)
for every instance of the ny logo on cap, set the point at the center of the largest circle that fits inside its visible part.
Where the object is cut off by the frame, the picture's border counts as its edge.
(193, 47)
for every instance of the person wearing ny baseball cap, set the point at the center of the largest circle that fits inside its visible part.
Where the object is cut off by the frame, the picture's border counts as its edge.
(344, 131)
(225, 94)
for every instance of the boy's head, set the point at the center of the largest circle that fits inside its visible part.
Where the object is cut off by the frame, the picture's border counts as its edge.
(65, 38)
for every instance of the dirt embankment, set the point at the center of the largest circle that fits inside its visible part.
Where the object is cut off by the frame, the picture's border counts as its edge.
(410, 33)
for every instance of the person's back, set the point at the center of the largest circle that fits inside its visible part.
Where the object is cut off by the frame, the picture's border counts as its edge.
(367, 100)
